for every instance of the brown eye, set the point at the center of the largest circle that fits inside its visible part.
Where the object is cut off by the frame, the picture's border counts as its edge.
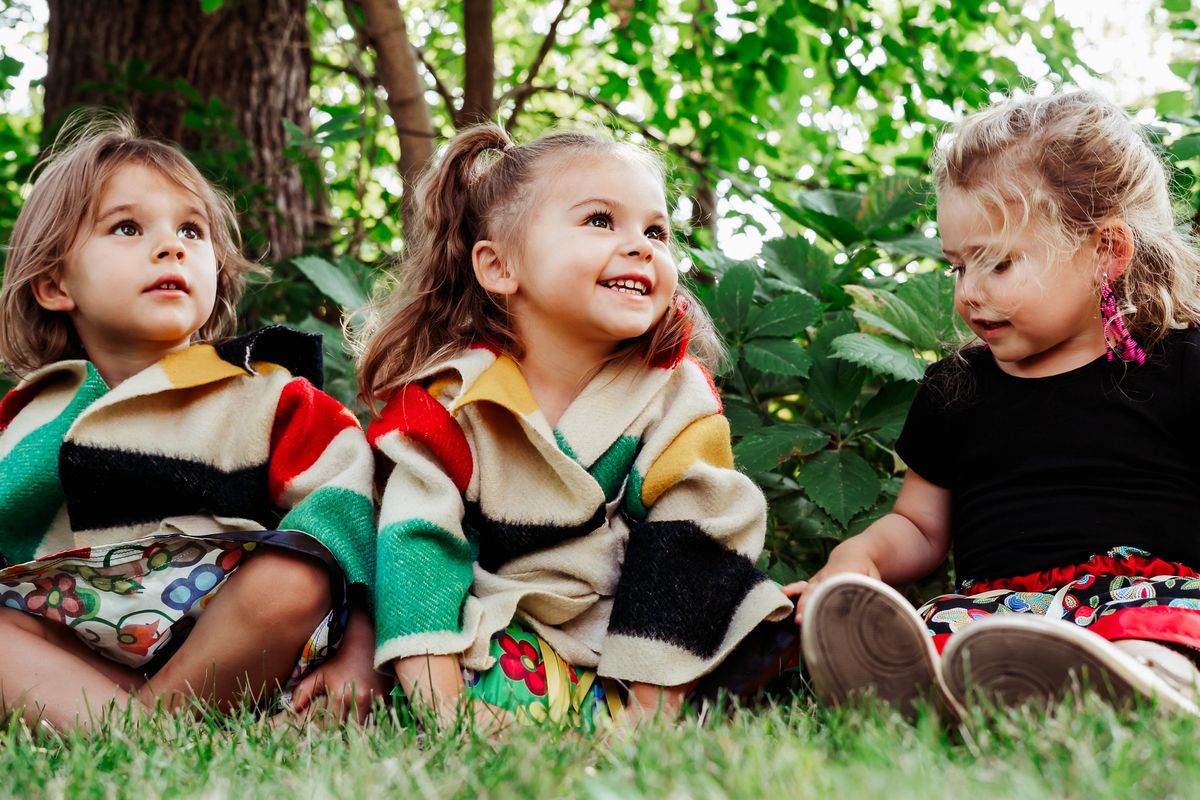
(600, 220)
(125, 228)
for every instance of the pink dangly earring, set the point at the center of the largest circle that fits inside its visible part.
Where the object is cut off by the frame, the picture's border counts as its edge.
(1116, 335)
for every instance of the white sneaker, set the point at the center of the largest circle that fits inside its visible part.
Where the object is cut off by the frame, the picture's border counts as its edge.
(860, 636)
(1013, 659)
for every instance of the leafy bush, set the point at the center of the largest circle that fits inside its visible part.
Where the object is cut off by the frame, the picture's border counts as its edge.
(824, 359)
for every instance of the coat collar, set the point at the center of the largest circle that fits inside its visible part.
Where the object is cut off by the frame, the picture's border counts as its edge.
(601, 413)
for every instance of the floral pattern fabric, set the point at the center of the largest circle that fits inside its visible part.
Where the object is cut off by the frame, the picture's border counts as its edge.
(1123, 594)
(135, 602)
(533, 682)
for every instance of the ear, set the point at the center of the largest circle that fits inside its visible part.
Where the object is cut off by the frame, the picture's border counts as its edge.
(50, 293)
(1114, 250)
(491, 270)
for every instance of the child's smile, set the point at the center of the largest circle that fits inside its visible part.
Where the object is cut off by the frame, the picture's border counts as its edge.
(595, 267)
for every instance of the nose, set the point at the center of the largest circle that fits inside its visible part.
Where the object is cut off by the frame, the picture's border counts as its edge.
(968, 291)
(169, 248)
(641, 249)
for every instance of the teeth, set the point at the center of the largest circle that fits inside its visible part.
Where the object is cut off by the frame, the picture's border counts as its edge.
(627, 285)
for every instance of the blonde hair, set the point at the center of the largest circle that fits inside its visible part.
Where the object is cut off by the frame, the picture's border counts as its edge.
(1078, 162)
(482, 188)
(90, 148)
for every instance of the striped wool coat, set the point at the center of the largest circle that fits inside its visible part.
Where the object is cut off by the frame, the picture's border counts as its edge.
(624, 536)
(209, 439)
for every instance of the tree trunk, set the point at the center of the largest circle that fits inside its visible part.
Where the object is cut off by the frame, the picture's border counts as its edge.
(397, 71)
(252, 56)
(479, 86)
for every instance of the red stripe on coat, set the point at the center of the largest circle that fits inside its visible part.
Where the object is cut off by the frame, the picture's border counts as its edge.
(306, 421)
(413, 413)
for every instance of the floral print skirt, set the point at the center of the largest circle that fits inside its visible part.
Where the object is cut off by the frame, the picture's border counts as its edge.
(1125, 593)
(533, 682)
(135, 602)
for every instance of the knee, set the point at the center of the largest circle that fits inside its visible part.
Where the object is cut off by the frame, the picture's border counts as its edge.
(278, 589)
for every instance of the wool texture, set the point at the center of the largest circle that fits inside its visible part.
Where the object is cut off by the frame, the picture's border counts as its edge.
(623, 537)
(207, 440)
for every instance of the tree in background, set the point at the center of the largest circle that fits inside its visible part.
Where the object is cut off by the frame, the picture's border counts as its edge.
(219, 82)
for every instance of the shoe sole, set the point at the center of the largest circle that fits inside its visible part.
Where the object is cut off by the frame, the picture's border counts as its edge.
(1011, 661)
(860, 636)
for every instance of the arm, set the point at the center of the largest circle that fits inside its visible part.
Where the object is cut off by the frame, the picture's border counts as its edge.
(689, 590)
(320, 475)
(901, 546)
(424, 563)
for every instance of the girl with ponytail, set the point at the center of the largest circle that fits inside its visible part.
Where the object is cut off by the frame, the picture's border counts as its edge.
(562, 534)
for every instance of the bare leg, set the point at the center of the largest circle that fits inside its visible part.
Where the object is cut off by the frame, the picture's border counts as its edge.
(248, 637)
(41, 661)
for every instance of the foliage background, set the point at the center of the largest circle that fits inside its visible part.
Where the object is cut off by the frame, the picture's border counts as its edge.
(805, 125)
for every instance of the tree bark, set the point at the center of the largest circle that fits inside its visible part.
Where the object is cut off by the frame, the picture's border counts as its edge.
(251, 55)
(479, 86)
(397, 71)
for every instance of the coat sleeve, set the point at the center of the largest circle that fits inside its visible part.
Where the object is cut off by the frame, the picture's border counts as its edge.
(425, 563)
(689, 590)
(320, 476)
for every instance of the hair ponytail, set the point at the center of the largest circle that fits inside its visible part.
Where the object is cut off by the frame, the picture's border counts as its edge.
(481, 189)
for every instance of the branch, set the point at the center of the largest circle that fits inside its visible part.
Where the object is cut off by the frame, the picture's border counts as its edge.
(522, 92)
(441, 88)
(694, 160)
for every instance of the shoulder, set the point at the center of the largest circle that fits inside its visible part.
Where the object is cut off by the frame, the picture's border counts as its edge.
(298, 352)
(953, 380)
(54, 383)
(690, 384)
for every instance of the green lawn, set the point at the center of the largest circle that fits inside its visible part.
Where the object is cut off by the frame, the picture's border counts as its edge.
(790, 751)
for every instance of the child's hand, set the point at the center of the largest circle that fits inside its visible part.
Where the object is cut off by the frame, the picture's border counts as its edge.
(841, 560)
(347, 683)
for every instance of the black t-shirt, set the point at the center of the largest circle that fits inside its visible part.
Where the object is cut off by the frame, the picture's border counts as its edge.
(1044, 472)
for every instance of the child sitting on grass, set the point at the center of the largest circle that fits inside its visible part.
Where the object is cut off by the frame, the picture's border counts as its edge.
(182, 516)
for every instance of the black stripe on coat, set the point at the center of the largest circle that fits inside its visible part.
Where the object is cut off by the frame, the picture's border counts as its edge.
(500, 542)
(106, 488)
(679, 585)
(298, 352)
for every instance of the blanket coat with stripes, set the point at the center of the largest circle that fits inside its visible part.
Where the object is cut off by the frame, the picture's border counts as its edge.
(207, 440)
(623, 536)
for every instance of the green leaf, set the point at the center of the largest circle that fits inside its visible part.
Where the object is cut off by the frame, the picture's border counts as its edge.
(895, 198)
(766, 449)
(931, 296)
(209, 6)
(833, 384)
(1178, 6)
(887, 410)
(832, 214)
(881, 355)
(798, 263)
(735, 298)
(786, 316)
(334, 283)
(1186, 147)
(840, 482)
(780, 356)
(912, 244)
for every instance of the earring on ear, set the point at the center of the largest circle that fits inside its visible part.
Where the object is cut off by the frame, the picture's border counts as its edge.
(1116, 336)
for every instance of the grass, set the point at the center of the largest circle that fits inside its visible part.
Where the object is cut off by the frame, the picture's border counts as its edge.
(1080, 750)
